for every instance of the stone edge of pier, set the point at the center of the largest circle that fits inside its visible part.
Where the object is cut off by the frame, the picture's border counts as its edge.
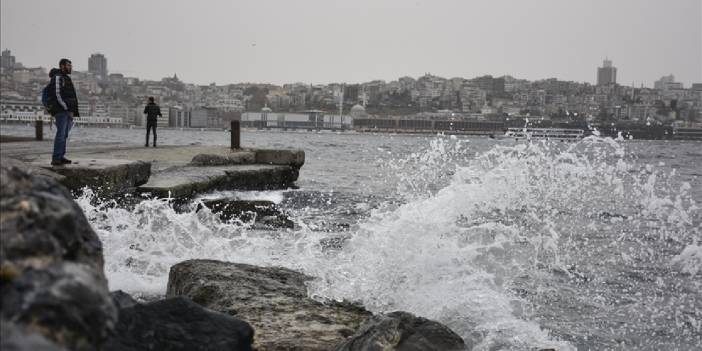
(114, 171)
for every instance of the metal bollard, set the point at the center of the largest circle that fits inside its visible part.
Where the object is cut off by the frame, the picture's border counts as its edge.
(236, 135)
(39, 130)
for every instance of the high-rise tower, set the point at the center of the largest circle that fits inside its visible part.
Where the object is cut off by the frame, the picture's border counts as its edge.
(97, 65)
(607, 74)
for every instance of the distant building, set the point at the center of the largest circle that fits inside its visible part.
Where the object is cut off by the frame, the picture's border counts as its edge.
(358, 111)
(84, 108)
(607, 74)
(97, 65)
(179, 117)
(667, 83)
(489, 84)
(7, 61)
(164, 120)
(22, 75)
(26, 111)
(305, 119)
(660, 84)
(205, 117)
(472, 98)
(696, 86)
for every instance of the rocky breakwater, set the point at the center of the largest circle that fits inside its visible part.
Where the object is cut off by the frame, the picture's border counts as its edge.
(53, 291)
(53, 287)
(176, 324)
(275, 301)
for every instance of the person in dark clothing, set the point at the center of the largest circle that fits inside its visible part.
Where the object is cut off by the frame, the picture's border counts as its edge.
(152, 111)
(63, 105)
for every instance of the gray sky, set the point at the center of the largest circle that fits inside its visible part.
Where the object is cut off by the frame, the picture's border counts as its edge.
(324, 41)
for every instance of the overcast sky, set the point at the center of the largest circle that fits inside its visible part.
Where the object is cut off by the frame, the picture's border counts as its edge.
(325, 41)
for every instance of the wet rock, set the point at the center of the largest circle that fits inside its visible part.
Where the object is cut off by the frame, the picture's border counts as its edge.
(178, 324)
(122, 299)
(51, 266)
(234, 158)
(274, 300)
(17, 338)
(608, 215)
(335, 242)
(264, 213)
(402, 331)
(31, 169)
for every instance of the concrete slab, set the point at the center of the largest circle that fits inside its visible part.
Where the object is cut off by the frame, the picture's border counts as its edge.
(161, 157)
(185, 182)
(234, 158)
(182, 170)
(105, 176)
(291, 157)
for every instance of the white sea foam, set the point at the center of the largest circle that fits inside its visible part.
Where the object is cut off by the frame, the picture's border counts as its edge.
(275, 196)
(690, 259)
(469, 228)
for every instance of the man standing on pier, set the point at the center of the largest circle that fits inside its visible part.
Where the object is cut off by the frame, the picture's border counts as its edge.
(152, 111)
(63, 105)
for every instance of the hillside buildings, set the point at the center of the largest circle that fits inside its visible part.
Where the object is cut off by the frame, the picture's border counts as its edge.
(121, 98)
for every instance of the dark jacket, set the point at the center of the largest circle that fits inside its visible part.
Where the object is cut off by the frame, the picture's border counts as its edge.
(62, 96)
(152, 110)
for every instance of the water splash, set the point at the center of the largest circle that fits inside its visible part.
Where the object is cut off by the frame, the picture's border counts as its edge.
(518, 247)
(689, 260)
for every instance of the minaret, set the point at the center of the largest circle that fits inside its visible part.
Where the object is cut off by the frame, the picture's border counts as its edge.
(341, 106)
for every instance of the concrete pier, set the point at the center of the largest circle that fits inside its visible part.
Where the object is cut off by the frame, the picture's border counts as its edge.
(104, 176)
(167, 171)
(184, 182)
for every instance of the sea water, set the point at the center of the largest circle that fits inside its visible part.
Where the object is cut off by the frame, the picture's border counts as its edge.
(515, 246)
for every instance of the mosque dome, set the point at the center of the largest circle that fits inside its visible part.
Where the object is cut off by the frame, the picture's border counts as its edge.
(358, 110)
(266, 109)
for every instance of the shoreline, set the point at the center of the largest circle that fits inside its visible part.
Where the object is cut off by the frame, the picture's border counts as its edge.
(635, 132)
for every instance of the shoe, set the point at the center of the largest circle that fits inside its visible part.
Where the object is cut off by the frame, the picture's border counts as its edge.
(154, 145)
(66, 161)
(146, 145)
(56, 163)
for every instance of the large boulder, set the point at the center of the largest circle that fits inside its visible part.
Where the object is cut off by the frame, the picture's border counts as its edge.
(18, 338)
(31, 168)
(177, 324)
(402, 331)
(123, 300)
(274, 300)
(51, 265)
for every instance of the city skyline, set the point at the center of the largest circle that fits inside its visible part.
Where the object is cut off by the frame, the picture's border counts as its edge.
(305, 52)
(101, 69)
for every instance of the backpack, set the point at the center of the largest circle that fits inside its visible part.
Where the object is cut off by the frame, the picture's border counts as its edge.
(45, 96)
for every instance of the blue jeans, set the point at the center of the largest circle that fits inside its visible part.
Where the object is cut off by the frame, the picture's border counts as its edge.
(63, 125)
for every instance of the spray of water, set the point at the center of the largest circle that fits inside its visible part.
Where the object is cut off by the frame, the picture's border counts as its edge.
(480, 243)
